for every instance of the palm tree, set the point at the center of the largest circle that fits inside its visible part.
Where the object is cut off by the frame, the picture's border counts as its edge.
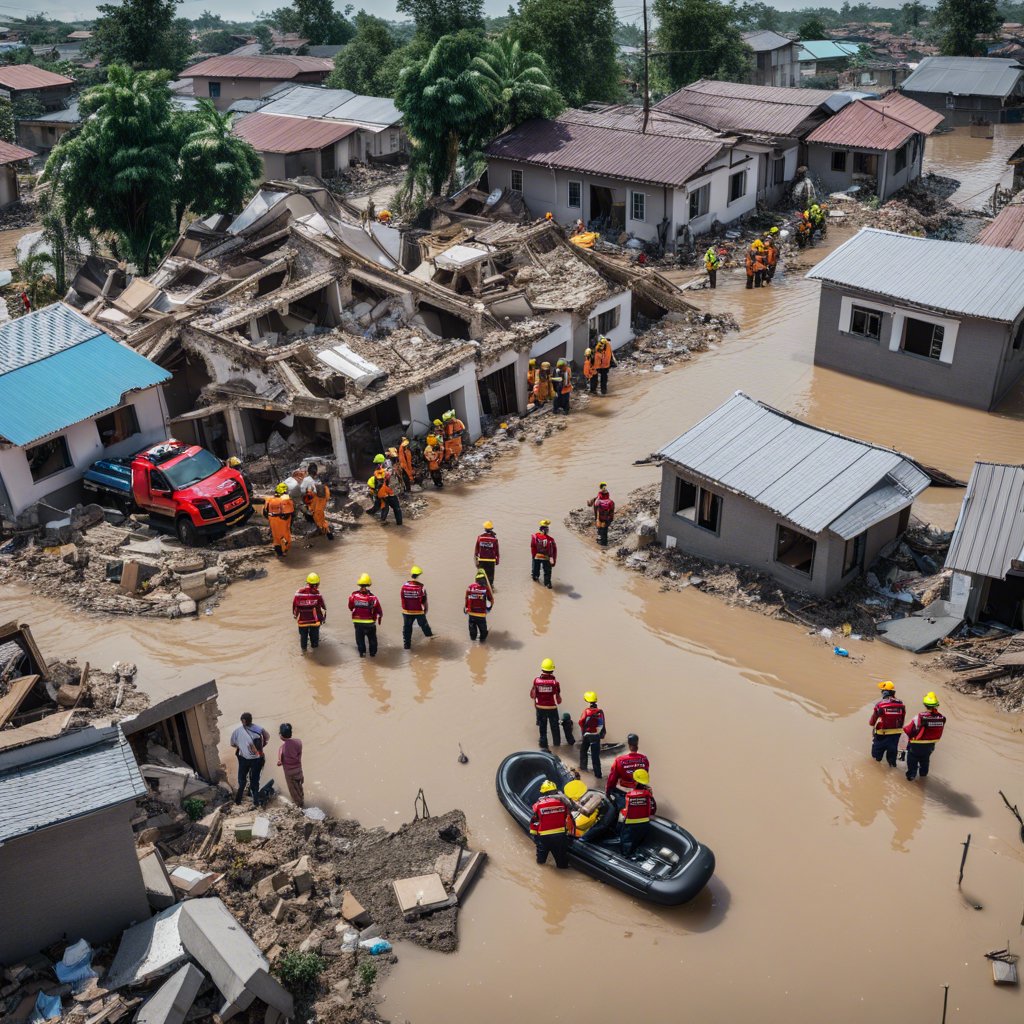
(32, 271)
(516, 83)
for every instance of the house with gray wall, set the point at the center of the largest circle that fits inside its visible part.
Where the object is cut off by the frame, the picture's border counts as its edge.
(750, 485)
(776, 59)
(964, 89)
(944, 319)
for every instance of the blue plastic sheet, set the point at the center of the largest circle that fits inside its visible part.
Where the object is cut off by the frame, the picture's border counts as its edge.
(47, 1007)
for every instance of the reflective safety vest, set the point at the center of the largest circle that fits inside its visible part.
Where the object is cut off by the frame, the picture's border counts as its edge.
(588, 367)
(592, 722)
(639, 807)
(476, 600)
(771, 253)
(621, 775)
(711, 260)
(405, 458)
(888, 716)
(383, 483)
(926, 727)
(433, 456)
(604, 510)
(414, 598)
(546, 692)
(364, 607)
(602, 355)
(542, 546)
(487, 548)
(550, 817)
(308, 606)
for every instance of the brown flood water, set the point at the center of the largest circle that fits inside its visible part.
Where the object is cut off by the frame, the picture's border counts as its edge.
(835, 896)
(978, 164)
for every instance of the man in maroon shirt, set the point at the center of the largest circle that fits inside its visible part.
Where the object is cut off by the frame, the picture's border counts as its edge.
(289, 759)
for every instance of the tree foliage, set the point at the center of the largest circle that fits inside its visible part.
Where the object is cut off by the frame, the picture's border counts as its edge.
(360, 66)
(217, 40)
(437, 18)
(758, 16)
(207, 21)
(142, 34)
(812, 28)
(576, 38)
(962, 21)
(722, 54)
(516, 84)
(321, 24)
(6, 121)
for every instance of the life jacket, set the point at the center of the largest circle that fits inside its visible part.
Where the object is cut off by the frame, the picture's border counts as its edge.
(476, 600)
(604, 510)
(383, 487)
(405, 458)
(550, 817)
(545, 692)
(772, 254)
(639, 807)
(307, 603)
(413, 597)
(453, 427)
(591, 721)
(603, 355)
(364, 607)
(891, 713)
(759, 263)
(433, 457)
(711, 260)
(487, 548)
(279, 505)
(588, 367)
(926, 727)
(624, 765)
(542, 545)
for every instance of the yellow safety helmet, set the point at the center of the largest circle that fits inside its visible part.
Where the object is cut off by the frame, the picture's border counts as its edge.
(641, 775)
(378, 459)
(773, 230)
(431, 439)
(561, 362)
(393, 452)
(313, 579)
(757, 244)
(589, 352)
(590, 697)
(533, 362)
(887, 685)
(488, 525)
(234, 462)
(415, 571)
(437, 423)
(549, 215)
(480, 574)
(281, 488)
(372, 483)
(547, 786)
(547, 665)
(545, 366)
(364, 580)
(446, 415)
(545, 522)
(930, 700)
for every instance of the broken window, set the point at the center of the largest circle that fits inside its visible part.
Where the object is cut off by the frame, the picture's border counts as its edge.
(686, 499)
(118, 425)
(839, 160)
(853, 553)
(604, 323)
(516, 179)
(795, 550)
(865, 163)
(901, 158)
(48, 458)
(867, 323)
(737, 186)
(638, 206)
(922, 338)
(576, 194)
(699, 201)
(499, 395)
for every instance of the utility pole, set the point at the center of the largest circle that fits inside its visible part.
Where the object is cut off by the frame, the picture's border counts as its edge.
(647, 84)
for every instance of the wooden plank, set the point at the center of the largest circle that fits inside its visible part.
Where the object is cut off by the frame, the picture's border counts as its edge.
(44, 729)
(11, 702)
(1014, 657)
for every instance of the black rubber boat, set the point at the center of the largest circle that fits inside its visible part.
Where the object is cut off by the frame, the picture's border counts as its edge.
(670, 868)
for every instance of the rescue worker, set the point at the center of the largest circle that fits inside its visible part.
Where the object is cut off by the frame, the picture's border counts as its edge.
(590, 371)
(924, 730)
(592, 729)
(817, 219)
(551, 825)
(546, 694)
(604, 512)
(380, 487)
(366, 616)
(544, 552)
(405, 463)
(638, 807)
(542, 389)
(479, 601)
(278, 510)
(823, 220)
(434, 454)
(486, 552)
(771, 254)
(803, 232)
(531, 379)
(886, 720)
(454, 428)
(414, 607)
(757, 265)
(561, 384)
(604, 360)
(620, 778)
(712, 261)
(315, 495)
(310, 612)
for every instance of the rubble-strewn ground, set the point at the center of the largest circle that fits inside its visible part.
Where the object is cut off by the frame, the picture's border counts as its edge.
(975, 665)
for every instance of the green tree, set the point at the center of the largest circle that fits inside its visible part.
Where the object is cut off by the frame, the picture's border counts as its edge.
(576, 38)
(218, 40)
(516, 84)
(207, 21)
(389, 75)
(55, 233)
(263, 36)
(142, 34)
(315, 20)
(812, 28)
(758, 15)
(912, 13)
(27, 108)
(6, 121)
(436, 18)
(722, 53)
(359, 65)
(962, 21)
(32, 272)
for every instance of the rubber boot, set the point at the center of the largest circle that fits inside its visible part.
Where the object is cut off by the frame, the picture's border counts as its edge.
(567, 724)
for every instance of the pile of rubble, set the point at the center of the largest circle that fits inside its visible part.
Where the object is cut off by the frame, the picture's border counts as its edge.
(673, 339)
(986, 662)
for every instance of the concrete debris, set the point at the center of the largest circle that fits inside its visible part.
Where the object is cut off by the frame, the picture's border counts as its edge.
(173, 999)
(159, 890)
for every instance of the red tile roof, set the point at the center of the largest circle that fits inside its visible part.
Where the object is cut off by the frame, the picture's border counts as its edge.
(1007, 230)
(28, 76)
(9, 154)
(271, 133)
(884, 124)
(269, 66)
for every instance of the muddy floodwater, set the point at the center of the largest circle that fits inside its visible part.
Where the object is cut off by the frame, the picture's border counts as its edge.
(835, 897)
(978, 164)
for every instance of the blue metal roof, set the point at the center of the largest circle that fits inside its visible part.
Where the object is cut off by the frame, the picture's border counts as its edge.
(40, 334)
(826, 49)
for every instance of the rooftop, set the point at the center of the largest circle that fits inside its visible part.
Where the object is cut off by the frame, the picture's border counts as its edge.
(950, 277)
(28, 76)
(334, 104)
(761, 42)
(877, 124)
(268, 66)
(270, 134)
(965, 76)
(826, 49)
(10, 153)
(989, 535)
(814, 478)
(1006, 230)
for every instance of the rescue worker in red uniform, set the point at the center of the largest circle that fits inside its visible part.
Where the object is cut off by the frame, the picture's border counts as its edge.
(414, 606)
(604, 512)
(546, 694)
(366, 616)
(544, 552)
(620, 778)
(638, 809)
(479, 601)
(551, 825)
(486, 552)
(592, 728)
(924, 730)
(310, 612)
(887, 717)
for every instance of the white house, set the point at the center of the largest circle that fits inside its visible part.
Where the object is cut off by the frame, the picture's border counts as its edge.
(776, 59)
(69, 395)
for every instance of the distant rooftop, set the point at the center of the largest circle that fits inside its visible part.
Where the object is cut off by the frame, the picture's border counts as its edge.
(965, 76)
(18, 77)
(762, 42)
(267, 66)
(826, 49)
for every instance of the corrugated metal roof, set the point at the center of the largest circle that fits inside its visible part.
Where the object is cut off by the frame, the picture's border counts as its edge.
(965, 76)
(580, 143)
(28, 76)
(337, 104)
(812, 477)
(269, 134)
(876, 124)
(68, 116)
(269, 66)
(826, 49)
(61, 779)
(951, 277)
(989, 534)
(40, 334)
(10, 153)
(1007, 229)
(763, 41)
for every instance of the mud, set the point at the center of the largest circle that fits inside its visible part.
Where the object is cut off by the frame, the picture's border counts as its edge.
(978, 164)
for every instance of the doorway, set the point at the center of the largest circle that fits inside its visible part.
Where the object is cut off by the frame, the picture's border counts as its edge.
(606, 212)
(498, 393)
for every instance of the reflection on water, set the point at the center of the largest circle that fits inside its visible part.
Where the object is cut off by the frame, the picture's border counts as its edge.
(978, 164)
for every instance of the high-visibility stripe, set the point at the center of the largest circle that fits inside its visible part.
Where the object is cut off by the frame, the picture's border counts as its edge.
(924, 741)
(551, 832)
(478, 615)
(365, 622)
(635, 821)
(479, 559)
(888, 732)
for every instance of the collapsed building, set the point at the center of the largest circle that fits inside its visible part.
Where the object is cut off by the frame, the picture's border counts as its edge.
(297, 322)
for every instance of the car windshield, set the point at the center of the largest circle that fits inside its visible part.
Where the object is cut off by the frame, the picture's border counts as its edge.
(194, 468)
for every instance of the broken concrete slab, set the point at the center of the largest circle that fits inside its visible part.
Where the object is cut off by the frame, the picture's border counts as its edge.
(147, 950)
(241, 828)
(447, 865)
(471, 864)
(159, 891)
(352, 910)
(302, 876)
(173, 999)
(419, 892)
(193, 883)
(923, 629)
(271, 883)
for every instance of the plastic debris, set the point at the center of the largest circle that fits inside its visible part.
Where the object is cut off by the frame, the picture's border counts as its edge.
(314, 813)
(376, 946)
(841, 651)
(46, 1008)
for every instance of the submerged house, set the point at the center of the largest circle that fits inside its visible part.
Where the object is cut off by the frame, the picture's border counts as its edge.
(752, 486)
(944, 319)
(966, 89)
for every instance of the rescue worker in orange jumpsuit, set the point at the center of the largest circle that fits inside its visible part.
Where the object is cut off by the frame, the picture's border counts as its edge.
(592, 729)
(561, 384)
(755, 264)
(546, 694)
(887, 717)
(367, 615)
(405, 463)
(310, 612)
(531, 379)
(434, 454)
(544, 552)
(380, 487)
(620, 778)
(639, 806)
(604, 512)
(454, 428)
(278, 510)
(315, 495)
(604, 360)
(924, 730)
(771, 253)
(414, 607)
(479, 601)
(590, 371)
(486, 552)
(542, 389)
(551, 825)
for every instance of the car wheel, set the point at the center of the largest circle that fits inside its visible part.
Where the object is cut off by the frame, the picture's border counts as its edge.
(186, 531)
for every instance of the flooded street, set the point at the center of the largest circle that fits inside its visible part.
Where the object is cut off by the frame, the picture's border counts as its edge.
(978, 164)
(836, 879)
